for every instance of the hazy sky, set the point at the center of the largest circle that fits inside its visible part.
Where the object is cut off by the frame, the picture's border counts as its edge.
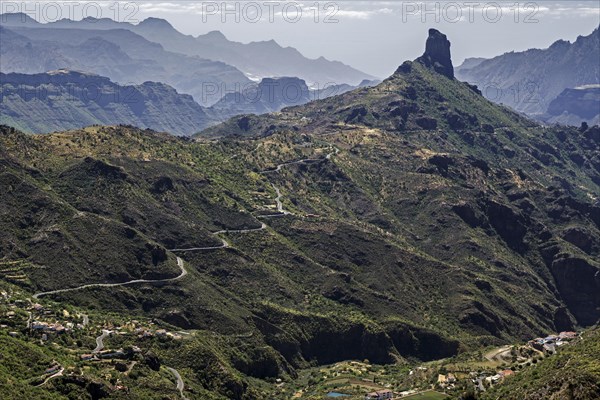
(374, 36)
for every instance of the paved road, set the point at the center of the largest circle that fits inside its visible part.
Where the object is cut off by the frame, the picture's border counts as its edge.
(180, 384)
(179, 260)
(279, 167)
(225, 243)
(278, 201)
(100, 341)
(95, 285)
(280, 211)
(56, 375)
(262, 226)
(498, 353)
(303, 161)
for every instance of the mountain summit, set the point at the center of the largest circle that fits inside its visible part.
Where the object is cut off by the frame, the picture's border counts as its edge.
(437, 54)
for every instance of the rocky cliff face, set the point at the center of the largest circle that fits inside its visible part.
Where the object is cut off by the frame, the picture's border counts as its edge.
(437, 54)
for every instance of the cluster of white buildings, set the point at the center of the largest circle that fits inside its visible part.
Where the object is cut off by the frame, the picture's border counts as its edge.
(549, 343)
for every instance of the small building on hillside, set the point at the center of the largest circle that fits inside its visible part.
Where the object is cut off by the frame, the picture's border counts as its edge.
(537, 344)
(507, 372)
(380, 395)
(567, 335)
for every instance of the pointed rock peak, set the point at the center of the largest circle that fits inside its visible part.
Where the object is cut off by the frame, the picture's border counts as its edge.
(437, 54)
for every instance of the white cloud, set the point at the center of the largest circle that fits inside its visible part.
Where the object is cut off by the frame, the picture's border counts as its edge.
(362, 14)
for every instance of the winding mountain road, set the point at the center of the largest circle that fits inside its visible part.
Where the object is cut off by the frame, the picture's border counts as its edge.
(180, 262)
(56, 375)
(302, 161)
(95, 285)
(180, 384)
(225, 243)
(279, 202)
(100, 341)
(262, 227)
(278, 168)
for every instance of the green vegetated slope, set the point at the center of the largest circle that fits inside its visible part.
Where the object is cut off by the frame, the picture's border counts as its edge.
(21, 361)
(572, 374)
(426, 221)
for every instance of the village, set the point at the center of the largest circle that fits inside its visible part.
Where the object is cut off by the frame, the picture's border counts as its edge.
(119, 344)
(478, 371)
(25, 318)
(506, 361)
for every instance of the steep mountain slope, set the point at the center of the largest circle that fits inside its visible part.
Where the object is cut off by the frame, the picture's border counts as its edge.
(411, 220)
(528, 81)
(121, 55)
(65, 99)
(458, 134)
(256, 59)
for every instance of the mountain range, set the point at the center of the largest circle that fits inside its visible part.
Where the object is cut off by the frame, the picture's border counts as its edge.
(256, 59)
(65, 99)
(529, 81)
(120, 55)
(274, 94)
(404, 222)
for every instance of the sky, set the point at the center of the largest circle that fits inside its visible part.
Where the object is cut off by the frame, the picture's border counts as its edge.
(373, 36)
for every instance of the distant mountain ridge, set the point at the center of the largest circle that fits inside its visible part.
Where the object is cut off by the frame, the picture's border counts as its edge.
(62, 100)
(118, 54)
(40, 103)
(256, 59)
(274, 94)
(574, 106)
(528, 81)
